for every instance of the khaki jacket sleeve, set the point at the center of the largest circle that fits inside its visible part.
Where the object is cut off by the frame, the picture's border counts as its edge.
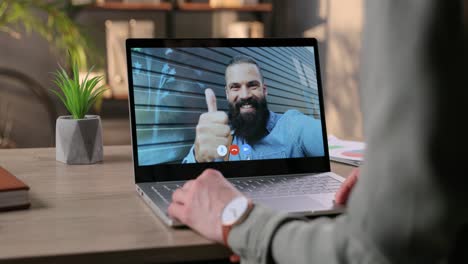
(252, 239)
(410, 200)
(271, 237)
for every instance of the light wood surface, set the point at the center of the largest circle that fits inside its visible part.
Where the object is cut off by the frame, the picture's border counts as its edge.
(91, 213)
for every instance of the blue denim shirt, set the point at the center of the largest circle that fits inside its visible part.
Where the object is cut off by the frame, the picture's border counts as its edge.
(290, 135)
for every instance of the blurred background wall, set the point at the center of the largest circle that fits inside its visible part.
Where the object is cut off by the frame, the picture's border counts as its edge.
(345, 22)
(336, 23)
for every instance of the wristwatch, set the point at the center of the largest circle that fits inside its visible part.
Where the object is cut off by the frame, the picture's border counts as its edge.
(234, 213)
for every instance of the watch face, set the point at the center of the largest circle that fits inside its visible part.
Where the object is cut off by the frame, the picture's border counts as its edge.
(234, 210)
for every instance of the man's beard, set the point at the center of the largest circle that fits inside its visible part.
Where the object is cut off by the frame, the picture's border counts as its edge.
(252, 125)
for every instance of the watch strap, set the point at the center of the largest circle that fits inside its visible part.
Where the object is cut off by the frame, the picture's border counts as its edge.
(234, 258)
(226, 229)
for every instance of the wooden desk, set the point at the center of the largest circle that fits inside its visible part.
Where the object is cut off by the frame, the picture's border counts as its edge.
(90, 214)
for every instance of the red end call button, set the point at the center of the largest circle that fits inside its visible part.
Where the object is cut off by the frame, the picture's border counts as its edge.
(234, 150)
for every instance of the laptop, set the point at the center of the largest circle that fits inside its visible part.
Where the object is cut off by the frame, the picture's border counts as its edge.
(271, 140)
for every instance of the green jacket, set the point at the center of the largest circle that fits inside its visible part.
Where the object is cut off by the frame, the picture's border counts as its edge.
(409, 202)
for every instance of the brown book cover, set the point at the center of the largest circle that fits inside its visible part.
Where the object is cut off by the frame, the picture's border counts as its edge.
(8, 182)
(9, 185)
(15, 207)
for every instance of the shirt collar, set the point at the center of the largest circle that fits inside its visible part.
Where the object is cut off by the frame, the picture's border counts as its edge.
(272, 119)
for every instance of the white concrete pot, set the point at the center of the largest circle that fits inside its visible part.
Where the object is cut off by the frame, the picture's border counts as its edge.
(78, 141)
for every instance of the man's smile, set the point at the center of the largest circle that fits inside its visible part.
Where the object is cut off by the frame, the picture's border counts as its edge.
(247, 108)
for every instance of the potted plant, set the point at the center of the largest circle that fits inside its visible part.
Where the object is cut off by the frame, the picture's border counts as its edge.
(78, 136)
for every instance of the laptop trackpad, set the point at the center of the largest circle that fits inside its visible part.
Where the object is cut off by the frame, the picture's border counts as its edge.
(292, 204)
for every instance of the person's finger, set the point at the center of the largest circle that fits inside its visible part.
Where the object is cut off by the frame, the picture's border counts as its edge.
(212, 142)
(175, 210)
(210, 100)
(186, 186)
(209, 173)
(215, 117)
(341, 196)
(179, 196)
(215, 129)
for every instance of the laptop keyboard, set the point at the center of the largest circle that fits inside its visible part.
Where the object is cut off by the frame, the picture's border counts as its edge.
(266, 187)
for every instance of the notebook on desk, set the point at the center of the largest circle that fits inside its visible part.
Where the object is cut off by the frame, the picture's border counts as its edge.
(13, 192)
(250, 108)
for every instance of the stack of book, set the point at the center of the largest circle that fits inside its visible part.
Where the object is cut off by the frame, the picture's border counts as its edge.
(14, 194)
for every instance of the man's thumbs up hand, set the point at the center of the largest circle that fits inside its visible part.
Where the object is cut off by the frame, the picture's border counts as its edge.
(212, 130)
(210, 100)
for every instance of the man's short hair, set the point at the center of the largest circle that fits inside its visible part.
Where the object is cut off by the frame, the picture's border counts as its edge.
(238, 59)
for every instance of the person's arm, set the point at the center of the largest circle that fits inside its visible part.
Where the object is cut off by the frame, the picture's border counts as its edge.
(267, 236)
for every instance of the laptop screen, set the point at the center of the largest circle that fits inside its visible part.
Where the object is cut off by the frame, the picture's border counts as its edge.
(205, 105)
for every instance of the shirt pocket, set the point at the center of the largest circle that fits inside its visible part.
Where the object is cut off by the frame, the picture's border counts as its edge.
(276, 154)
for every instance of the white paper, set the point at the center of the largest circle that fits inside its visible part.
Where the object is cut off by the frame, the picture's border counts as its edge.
(346, 151)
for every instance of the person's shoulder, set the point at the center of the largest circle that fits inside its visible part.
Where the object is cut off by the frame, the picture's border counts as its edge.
(295, 114)
(298, 117)
(275, 115)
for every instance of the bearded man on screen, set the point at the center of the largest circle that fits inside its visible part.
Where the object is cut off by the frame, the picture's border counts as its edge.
(250, 131)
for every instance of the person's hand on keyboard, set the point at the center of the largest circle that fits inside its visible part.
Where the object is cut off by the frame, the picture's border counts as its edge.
(341, 196)
(199, 203)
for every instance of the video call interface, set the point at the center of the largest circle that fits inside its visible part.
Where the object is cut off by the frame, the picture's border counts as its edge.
(199, 105)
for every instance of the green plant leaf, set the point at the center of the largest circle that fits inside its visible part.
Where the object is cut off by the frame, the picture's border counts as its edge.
(78, 97)
(56, 27)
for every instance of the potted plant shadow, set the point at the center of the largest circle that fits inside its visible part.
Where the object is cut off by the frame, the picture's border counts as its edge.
(78, 136)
